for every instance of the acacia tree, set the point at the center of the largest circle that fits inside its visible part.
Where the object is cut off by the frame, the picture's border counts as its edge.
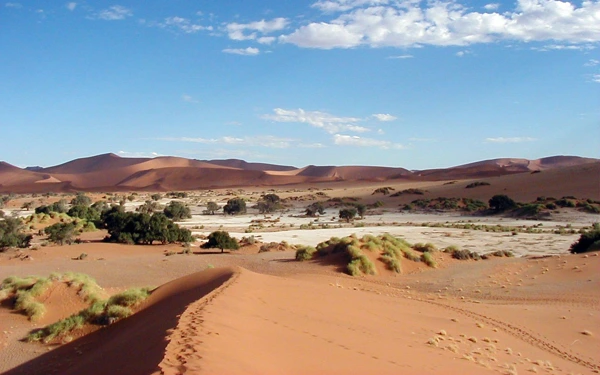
(235, 206)
(211, 207)
(315, 208)
(177, 211)
(221, 240)
(501, 203)
(348, 214)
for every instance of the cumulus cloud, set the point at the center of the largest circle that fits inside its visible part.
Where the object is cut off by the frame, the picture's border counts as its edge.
(384, 117)
(268, 141)
(114, 13)
(510, 140)
(183, 24)
(413, 23)
(71, 6)
(250, 51)
(492, 6)
(352, 140)
(237, 31)
(322, 120)
(596, 78)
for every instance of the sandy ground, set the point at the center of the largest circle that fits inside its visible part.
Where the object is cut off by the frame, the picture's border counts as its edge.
(249, 313)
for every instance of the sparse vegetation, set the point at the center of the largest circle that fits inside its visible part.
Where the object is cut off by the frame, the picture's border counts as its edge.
(588, 241)
(348, 214)
(476, 184)
(383, 190)
(177, 211)
(12, 234)
(409, 191)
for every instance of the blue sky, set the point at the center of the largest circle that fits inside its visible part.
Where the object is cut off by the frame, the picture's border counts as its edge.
(407, 83)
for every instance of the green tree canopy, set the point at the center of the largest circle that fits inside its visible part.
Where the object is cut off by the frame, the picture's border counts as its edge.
(501, 203)
(315, 208)
(235, 206)
(12, 234)
(177, 211)
(61, 233)
(348, 214)
(221, 240)
(81, 200)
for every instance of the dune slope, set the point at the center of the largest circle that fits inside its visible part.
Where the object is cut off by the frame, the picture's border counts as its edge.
(135, 345)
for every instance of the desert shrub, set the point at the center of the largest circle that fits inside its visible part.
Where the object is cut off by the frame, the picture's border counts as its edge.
(476, 184)
(268, 203)
(81, 200)
(501, 253)
(465, 255)
(235, 206)
(12, 234)
(409, 191)
(61, 233)
(211, 207)
(427, 258)
(315, 208)
(177, 211)
(591, 208)
(551, 206)
(501, 203)
(383, 190)
(532, 209)
(305, 253)
(588, 241)
(128, 298)
(428, 247)
(474, 204)
(565, 202)
(451, 249)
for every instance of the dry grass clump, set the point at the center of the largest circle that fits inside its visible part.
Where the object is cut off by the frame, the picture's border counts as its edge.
(101, 313)
(427, 258)
(305, 253)
(24, 291)
(420, 247)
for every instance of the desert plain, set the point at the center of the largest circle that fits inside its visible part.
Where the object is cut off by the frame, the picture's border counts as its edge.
(258, 310)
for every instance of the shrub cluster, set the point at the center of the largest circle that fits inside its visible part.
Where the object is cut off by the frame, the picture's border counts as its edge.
(588, 241)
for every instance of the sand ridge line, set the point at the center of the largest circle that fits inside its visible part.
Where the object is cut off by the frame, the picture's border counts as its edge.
(186, 337)
(517, 332)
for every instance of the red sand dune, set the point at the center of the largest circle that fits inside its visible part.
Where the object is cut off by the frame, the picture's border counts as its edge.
(110, 172)
(135, 345)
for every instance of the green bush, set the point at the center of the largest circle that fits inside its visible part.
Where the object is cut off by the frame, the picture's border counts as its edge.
(476, 184)
(221, 240)
(305, 253)
(588, 241)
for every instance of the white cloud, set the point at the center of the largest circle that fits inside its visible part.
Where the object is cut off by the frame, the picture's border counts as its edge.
(138, 154)
(236, 31)
(330, 123)
(463, 53)
(560, 47)
(352, 140)
(114, 13)
(250, 51)
(13, 5)
(401, 57)
(71, 6)
(492, 6)
(268, 141)
(592, 62)
(189, 99)
(183, 25)
(510, 140)
(311, 145)
(266, 39)
(344, 5)
(596, 78)
(413, 23)
(385, 117)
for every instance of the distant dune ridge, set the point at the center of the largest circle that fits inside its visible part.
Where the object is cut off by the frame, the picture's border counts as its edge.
(110, 172)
